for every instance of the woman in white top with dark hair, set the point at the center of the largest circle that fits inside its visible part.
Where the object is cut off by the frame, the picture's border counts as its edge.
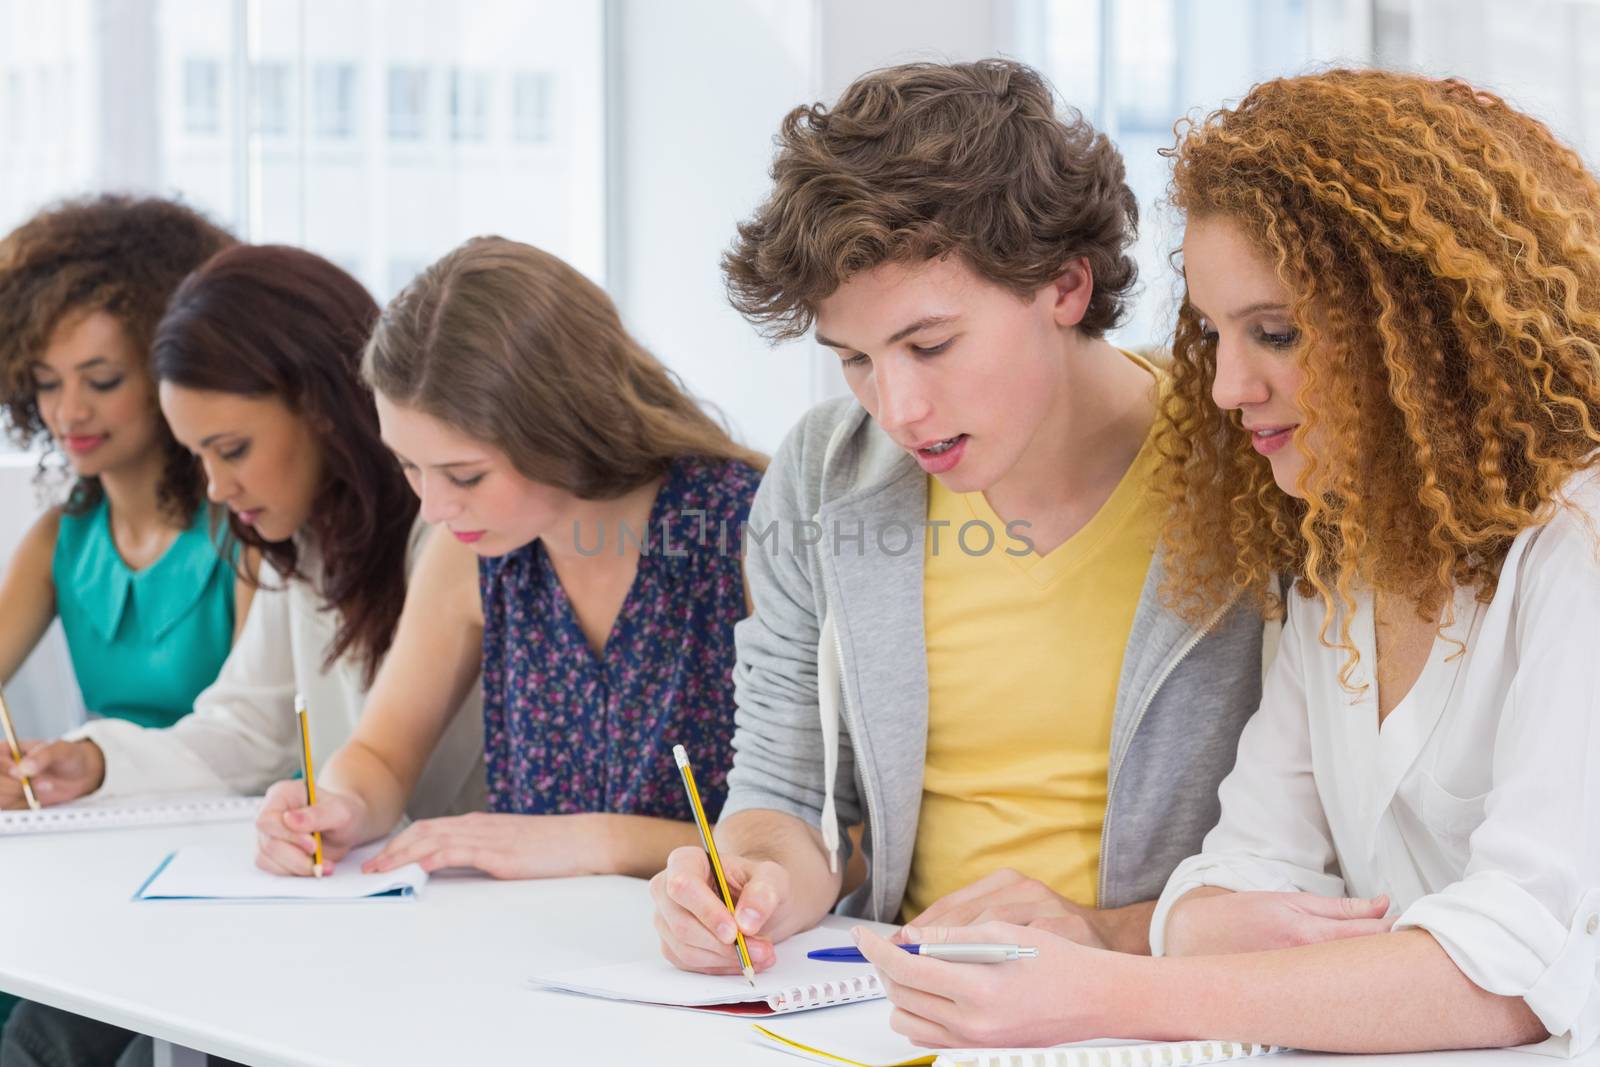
(1386, 386)
(258, 363)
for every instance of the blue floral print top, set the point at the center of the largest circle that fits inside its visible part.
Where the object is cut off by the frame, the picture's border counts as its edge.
(566, 730)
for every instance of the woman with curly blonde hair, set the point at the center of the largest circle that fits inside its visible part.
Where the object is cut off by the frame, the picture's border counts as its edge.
(1387, 390)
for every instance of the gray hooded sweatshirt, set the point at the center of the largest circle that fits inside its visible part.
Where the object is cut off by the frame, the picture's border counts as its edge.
(832, 675)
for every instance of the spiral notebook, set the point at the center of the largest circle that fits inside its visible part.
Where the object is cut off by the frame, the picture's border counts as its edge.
(794, 983)
(172, 809)
(860, 1037)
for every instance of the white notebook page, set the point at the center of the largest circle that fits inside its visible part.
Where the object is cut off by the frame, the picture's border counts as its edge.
(228, 872)
(792, 984)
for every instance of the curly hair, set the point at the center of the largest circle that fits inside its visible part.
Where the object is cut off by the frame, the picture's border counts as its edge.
(921, 160)
(118, 254)
(1442, 255)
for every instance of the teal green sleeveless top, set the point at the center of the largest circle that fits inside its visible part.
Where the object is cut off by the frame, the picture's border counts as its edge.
(143, 643)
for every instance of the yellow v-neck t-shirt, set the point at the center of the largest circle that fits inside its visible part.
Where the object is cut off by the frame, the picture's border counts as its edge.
(1024, 656)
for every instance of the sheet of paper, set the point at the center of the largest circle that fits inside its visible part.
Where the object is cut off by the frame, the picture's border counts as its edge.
(655, 981)
(228, 873)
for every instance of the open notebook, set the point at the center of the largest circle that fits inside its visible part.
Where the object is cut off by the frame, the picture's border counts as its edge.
(794, 983)
(228, 873)
(174, 809)
(859, 1036)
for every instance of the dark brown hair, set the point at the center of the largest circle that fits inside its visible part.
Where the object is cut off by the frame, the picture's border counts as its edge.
(268, 320)
(927, 159)
(118, 254)
(513, 347)
(1441, 253)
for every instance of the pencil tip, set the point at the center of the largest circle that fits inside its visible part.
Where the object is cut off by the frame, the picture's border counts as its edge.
(749, 975)
(317, 870)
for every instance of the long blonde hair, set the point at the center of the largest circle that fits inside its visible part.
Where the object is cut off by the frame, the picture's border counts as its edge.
(513, 347)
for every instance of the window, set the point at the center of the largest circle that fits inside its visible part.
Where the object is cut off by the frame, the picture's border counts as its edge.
(334, 100)
(202, 96)
(469, 105)
(1134, 68)
(408, 103)
(531, 107)
(209, 100)
(269, 93)
(1542, 55)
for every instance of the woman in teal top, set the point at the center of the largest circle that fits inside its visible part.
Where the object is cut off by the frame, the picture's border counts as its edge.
(145, 642)
(130, 562)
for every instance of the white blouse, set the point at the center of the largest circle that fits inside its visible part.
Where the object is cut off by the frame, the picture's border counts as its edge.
(243, 734)
(1474, 807)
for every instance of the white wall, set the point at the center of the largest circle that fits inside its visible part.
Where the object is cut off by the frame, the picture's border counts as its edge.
(703, 84)
(43, 697)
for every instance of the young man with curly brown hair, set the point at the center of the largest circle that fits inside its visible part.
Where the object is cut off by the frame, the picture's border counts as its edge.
(958, 641)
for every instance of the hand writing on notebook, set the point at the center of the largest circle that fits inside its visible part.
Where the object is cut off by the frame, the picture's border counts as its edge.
(697, 933)
(1026, 1003)
(1012, 897)
(284, 825)
(58, 770)
(1209, 921)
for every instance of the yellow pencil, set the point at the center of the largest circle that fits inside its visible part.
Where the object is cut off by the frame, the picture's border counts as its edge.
(16, 751)
(682, 757)
(310, 775)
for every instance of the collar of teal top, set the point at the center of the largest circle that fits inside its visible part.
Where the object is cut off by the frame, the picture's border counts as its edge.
(166, 590)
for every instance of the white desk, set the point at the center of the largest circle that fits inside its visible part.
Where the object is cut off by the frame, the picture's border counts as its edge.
(439, 980)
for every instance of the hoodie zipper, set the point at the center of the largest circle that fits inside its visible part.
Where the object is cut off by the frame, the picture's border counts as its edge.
(1138, 719)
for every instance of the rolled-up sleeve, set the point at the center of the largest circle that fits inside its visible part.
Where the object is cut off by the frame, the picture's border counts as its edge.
(1272, 835)
(1524, 919)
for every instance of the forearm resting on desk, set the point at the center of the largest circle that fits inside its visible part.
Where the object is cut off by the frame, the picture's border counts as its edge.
(637, 845)
(1395, 992)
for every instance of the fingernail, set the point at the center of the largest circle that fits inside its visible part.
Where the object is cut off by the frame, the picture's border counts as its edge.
(725, 932)
(912, 934)
(25, 770)
(749, 918)
(855, 934)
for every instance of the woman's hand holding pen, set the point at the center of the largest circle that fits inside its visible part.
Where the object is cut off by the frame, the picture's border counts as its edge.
(697, 933)
(285, 824)
(59, 771)
(1067, 994)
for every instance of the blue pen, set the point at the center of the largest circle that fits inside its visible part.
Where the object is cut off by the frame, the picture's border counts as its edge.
(951, 953)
